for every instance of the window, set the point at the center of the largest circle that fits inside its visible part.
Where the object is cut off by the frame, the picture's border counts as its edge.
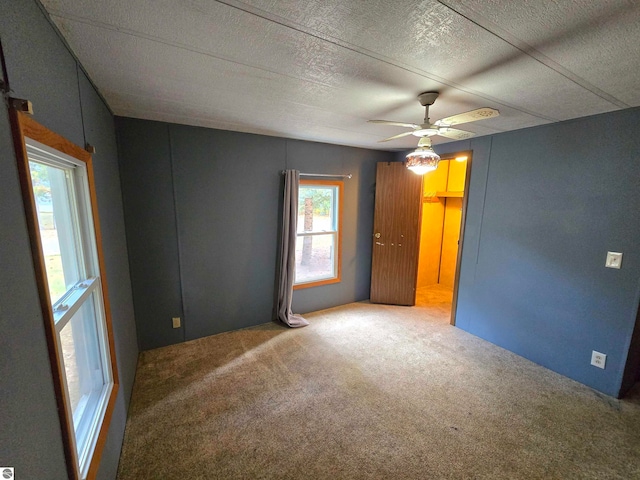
(57, 189)
(318, 241)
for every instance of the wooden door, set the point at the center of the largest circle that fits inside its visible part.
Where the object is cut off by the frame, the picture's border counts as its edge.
(396, 235)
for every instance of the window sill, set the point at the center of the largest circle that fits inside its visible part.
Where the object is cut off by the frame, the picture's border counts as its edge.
(318, 283)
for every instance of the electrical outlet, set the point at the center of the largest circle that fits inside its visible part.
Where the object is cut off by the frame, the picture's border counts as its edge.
(598, 359)
(176, 322)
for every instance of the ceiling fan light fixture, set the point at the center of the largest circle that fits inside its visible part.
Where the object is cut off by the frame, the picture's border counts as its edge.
(423, 159)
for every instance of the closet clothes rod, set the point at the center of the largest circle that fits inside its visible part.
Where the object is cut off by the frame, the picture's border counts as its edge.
(337, 175)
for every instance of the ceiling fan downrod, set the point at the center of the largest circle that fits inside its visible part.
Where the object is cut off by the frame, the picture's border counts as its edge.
(427, 99)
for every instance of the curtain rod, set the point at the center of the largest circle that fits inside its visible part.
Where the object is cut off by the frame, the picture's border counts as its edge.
(348, 175)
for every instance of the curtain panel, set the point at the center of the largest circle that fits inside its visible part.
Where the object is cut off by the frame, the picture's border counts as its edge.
(288, 251)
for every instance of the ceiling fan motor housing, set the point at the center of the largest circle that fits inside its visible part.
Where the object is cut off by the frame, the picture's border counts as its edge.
(428, 131)
(427, 98)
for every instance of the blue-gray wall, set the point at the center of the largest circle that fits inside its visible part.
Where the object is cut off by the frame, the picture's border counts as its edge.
(202, 209)
(41, 69)
(545, 206)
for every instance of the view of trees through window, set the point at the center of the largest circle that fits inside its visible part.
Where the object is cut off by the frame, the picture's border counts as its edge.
(48, 232)
(321, 200)
(51, 248)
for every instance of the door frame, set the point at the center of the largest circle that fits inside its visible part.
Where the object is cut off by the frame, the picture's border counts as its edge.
(465, 199)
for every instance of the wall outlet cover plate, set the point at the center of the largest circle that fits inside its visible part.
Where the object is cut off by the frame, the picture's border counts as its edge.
(598, 359)
(614, 260)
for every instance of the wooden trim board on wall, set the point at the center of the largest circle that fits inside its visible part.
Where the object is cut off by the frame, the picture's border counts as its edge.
(23, 126)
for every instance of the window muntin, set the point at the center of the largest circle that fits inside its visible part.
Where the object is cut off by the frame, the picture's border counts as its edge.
(61, 197)
(318, 238)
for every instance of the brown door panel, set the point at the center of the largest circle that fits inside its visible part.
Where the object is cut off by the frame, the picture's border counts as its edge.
(394, 264)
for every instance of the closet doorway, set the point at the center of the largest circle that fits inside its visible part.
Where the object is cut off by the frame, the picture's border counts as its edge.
(444, 196)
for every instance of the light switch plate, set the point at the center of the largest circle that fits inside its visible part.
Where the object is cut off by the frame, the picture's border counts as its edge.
(614, 260)
(176, 322)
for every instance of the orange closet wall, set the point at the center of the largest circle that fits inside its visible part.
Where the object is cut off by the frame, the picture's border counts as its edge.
(440, 230)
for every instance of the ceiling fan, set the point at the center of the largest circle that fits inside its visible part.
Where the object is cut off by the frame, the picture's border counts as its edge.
(440, 127)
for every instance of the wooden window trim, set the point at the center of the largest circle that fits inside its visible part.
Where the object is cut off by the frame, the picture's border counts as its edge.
(338, 278)
(23, 126)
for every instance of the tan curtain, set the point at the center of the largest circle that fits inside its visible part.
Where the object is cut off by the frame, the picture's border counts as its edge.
(288, 251)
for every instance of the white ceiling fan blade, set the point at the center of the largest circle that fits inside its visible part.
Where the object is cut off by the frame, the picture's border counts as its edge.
(472, 116)
(455, 133)
(396, 136)
(397, 124)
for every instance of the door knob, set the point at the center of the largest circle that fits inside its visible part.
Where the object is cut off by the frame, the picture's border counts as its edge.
(377, 235)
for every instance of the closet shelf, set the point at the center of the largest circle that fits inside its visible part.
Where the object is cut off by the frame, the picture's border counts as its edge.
(434, 197)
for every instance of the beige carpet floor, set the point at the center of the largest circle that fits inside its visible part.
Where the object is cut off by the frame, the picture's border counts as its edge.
(369, 392)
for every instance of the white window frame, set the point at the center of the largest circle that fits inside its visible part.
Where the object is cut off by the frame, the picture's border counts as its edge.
(337, 210)
(83, 435)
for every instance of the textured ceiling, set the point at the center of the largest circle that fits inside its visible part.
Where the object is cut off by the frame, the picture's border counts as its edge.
(319, 69)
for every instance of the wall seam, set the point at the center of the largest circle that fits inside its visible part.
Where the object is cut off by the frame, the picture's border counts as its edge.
(179, 245)
(84, 133)
(484, 200)
(71, 52)
(127, 236)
